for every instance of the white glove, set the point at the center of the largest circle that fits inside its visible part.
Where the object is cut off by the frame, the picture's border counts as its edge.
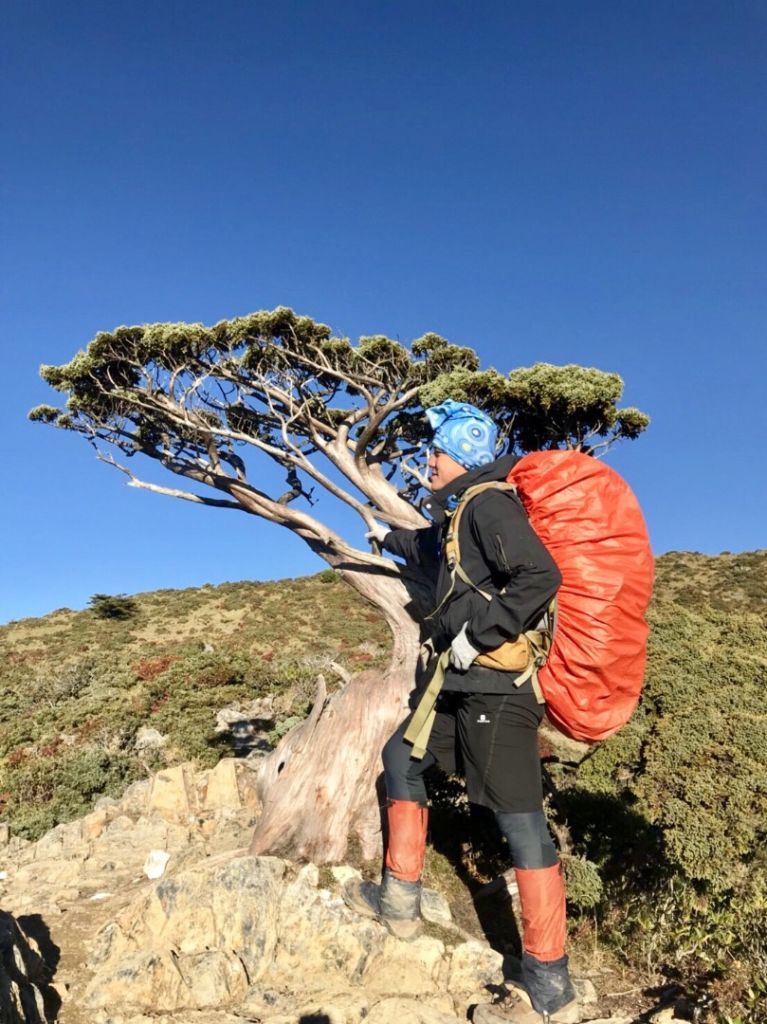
(379, 533)
(462, 653)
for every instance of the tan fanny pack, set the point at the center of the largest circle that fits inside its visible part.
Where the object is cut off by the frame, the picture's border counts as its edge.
(511, 656)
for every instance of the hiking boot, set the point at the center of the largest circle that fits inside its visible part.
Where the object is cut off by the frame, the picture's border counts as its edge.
(514, 1007)
(395, 903)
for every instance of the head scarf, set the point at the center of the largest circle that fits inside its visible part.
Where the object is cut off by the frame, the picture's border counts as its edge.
(463, 432)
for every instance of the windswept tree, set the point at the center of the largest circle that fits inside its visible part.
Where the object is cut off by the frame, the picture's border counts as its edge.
(343, 419)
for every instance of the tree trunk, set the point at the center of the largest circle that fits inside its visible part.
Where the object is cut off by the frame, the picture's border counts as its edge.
(322, 783)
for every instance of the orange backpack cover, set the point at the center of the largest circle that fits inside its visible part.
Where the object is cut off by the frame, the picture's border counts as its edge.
(591, 523)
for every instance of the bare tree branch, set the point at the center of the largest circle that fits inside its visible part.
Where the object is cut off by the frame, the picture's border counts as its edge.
(171, 492)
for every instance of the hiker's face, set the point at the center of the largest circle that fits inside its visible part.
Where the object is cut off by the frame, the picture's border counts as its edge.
(442, 469)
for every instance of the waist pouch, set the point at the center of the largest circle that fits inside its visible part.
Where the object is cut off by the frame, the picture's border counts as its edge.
(511, 656)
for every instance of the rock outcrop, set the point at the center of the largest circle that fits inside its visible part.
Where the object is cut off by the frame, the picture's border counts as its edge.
(73, 879)
(24, 975)
(219, 931)
(257, 934)
(154, 913)
(183, 812)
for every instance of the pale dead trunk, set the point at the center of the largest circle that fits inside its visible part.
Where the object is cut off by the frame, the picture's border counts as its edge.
(321, 784)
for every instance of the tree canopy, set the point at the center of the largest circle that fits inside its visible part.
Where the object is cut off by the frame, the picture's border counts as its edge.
(345, 417)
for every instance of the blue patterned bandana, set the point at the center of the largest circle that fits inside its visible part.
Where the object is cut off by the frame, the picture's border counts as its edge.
(463, 432)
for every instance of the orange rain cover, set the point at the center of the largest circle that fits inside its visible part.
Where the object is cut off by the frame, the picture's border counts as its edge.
(591, 523)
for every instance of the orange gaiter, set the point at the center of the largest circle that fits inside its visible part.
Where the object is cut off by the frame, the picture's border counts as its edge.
(407, 839)
(542, 897)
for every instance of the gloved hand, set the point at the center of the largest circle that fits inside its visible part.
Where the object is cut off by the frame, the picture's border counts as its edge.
(378, 533)
(462, 652)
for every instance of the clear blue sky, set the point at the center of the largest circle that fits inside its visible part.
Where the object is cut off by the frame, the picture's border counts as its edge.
(559, 181)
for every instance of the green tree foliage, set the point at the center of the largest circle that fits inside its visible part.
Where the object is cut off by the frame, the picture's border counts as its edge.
(112, 606)
(197, 399)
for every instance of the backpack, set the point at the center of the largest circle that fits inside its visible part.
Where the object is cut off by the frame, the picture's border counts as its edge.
(591, 523)
(588, 662)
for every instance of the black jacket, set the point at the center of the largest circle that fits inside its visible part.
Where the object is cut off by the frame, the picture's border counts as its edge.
(501, 554)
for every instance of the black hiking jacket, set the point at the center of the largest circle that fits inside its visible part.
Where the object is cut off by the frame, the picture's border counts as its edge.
(501, 554)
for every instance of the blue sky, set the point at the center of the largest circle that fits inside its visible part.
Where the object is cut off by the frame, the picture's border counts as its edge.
(558, 181)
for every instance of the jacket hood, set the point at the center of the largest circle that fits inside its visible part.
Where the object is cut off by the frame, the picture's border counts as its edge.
(436, 504)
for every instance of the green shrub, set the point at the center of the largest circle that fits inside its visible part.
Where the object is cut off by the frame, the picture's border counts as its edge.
(42, 792)
(694, 760)
(54, 684)
(584, 883)
(684, 790)
(191, 729)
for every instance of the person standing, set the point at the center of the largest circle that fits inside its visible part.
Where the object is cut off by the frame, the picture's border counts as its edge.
(486, 716)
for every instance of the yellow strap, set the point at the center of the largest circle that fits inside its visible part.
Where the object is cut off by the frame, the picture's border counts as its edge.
(419, 729)
(540, 645)
(460, 572)
(453, 548)
(452, 545)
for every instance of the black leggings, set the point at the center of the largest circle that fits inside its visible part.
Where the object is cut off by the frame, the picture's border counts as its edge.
(492, 740)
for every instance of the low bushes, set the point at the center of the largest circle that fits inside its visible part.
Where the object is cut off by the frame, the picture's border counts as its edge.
(673, 810)
(69, 730)
(38, 792)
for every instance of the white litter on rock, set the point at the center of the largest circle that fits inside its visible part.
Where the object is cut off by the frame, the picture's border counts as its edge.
(155, 863)
(100, 896)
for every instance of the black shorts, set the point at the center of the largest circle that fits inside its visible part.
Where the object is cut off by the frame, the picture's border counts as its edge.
(489, 738)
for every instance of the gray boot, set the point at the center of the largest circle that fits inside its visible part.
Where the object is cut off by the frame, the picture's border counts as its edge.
(395, 903)
(515, 1007)
(543, 995)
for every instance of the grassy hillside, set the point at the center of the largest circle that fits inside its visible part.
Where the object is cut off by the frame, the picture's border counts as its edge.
(667, 821)
(285, 619)
(726, 582)
(75, 688)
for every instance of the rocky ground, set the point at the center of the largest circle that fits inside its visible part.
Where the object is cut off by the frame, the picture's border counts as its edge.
(149, 909)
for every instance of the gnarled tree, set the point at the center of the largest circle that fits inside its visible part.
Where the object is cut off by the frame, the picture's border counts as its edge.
(342, 417)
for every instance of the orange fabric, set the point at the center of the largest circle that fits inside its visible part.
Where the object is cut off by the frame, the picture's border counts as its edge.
(591, 523)
(406, 847)
(542, 897)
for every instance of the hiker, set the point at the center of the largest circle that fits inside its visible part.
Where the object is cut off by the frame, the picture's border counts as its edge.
(485, 726)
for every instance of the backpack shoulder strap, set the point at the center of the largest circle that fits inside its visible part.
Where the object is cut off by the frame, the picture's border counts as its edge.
(452, 550)
(452, 543)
